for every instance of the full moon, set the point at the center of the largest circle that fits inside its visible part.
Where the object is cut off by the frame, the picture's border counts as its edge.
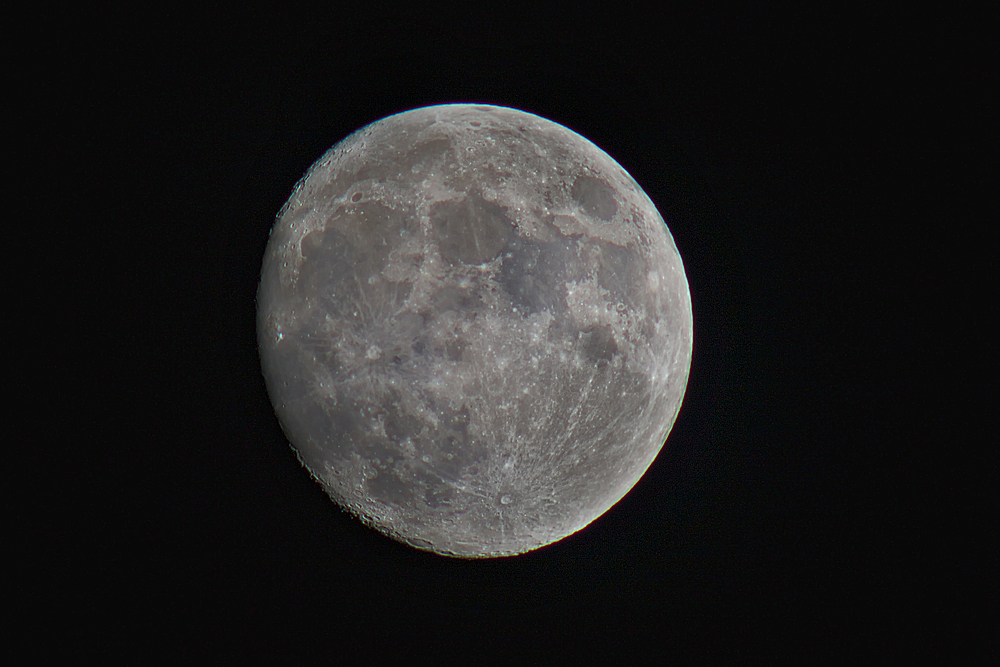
(475, 328)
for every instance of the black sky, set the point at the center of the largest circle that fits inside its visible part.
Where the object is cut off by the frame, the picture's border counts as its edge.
(801, 506)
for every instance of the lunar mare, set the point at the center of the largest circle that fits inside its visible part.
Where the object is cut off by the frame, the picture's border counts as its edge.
(475, 328)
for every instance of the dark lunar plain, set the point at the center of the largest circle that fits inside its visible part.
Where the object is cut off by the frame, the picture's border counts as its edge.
(814, 497)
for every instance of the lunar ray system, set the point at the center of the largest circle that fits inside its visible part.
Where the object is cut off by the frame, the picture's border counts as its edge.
(475, 328)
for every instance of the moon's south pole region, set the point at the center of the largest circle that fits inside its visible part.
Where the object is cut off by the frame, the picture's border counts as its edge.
(475, 328)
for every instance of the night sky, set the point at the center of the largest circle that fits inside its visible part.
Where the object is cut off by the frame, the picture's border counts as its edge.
(807, 501)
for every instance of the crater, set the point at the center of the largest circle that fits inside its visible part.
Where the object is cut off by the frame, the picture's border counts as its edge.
(599, 344)
(595, 196)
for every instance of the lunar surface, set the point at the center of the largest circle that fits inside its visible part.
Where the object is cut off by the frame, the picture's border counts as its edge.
(475, 328)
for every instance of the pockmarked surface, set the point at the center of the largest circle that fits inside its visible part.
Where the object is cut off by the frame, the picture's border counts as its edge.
(475, 328)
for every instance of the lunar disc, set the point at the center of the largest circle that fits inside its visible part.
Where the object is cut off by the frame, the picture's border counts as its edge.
(475, 328)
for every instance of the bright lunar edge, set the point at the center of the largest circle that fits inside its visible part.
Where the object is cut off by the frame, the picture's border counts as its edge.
(475, 328)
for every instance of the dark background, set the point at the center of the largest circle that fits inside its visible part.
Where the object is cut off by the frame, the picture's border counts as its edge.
(820, 492)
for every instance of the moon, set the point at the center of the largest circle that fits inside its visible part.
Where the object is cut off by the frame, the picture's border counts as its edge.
(475, 328)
